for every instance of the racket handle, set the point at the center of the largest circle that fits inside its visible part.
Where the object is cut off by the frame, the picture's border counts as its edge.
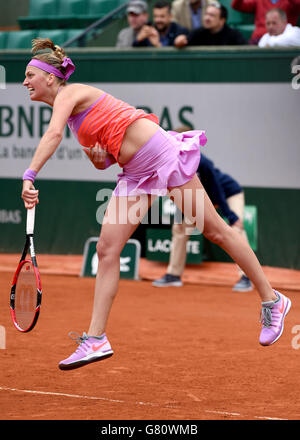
(30, 220)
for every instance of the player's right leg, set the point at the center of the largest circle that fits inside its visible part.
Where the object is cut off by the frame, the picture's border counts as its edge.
(275, 305)
(237, 204)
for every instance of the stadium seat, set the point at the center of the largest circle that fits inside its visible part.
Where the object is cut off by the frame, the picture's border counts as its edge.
(72, 7)
(3, 37)
(246, 30)
(38, 8)
(102, 7)
(70, 13)
(53, 14)
(40, 12)
(71, 33)
(58, 36)
(99, 8)
(20, 39)
(64, 14)
(23, 39)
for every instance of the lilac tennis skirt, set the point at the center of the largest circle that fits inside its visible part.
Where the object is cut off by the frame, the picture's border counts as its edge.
(167, 160)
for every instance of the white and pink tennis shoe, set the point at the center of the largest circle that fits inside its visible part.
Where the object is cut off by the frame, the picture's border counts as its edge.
(272, 318)
(90, 349)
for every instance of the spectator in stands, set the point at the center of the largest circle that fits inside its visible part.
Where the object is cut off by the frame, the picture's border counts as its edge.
(214, 32)
(279, 31)
(260, 8)
(164, 31)
(226, 194)
(137, 16)
(189, 13)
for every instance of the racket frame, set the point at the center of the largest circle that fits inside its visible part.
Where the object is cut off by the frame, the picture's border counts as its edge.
(29, 246)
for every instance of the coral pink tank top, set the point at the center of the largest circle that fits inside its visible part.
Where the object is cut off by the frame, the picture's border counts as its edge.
(105, 122)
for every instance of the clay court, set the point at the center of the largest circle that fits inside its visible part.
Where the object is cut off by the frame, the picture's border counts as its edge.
(187, 353)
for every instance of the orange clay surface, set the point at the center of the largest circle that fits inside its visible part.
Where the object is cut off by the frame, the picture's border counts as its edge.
(188, 353)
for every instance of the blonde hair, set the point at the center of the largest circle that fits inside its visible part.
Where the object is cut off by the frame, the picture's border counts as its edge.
(45, 50)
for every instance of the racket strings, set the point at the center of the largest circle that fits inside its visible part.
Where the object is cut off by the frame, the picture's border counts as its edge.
(25, 296)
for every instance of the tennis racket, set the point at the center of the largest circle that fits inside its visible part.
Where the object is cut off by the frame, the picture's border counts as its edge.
(26, 292)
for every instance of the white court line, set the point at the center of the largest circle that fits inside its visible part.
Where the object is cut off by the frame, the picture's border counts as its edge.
(106, 399)
(231, 414)
(75, 396)
(225, 413)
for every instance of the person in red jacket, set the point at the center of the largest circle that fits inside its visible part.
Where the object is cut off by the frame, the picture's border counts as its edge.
(260, 8)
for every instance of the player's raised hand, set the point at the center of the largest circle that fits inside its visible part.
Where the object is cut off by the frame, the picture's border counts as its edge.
(97, 156)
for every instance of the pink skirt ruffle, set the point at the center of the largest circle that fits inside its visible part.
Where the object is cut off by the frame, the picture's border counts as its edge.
(167, 160)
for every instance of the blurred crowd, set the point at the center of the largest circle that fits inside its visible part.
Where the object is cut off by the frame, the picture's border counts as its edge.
(183, 23)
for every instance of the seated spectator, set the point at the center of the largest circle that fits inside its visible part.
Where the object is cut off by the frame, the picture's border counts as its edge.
(189, 13)
(164, 31)
(279, 31)
(260, 8)
(137, 16)
(214, 32)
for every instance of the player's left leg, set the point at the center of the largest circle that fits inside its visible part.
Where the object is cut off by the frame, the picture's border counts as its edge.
(122, 217)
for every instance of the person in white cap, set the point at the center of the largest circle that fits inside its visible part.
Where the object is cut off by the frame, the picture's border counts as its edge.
(137, 16)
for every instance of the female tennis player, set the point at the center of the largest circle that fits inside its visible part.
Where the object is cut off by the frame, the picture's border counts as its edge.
(153, 162)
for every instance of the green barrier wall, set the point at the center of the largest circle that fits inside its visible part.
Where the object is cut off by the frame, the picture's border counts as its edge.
(219, 65)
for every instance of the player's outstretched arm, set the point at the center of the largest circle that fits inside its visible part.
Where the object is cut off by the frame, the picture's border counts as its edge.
(63, 106)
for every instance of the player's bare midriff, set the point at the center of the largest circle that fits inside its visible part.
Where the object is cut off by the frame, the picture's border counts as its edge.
(136, 135)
